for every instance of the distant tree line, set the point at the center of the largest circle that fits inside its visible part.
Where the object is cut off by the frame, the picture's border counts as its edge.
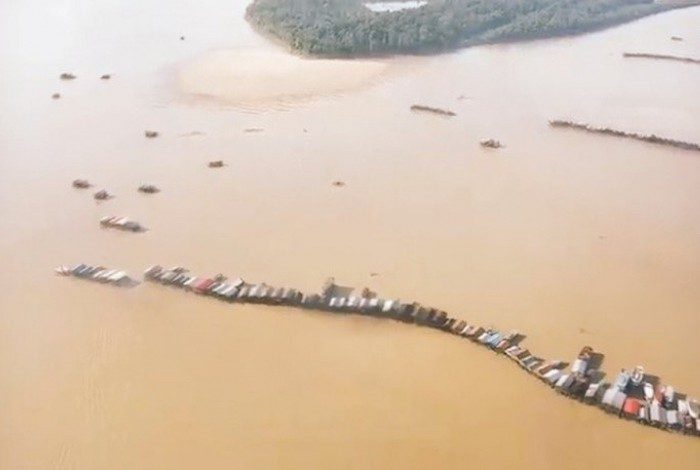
(347, 27)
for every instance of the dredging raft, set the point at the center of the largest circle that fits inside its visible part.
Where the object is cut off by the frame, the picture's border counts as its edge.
(633, 395)
(98, 273)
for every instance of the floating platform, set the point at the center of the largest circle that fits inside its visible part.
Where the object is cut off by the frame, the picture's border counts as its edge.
(122, 223)
(99, 274)
(633, 395)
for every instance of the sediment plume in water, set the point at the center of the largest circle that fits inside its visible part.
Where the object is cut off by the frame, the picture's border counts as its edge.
(642, 55)
(654, 139)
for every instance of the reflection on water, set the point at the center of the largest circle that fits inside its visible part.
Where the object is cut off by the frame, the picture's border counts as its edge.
(572, 239)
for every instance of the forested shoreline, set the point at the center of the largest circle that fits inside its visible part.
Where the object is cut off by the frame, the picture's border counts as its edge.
(348, 28)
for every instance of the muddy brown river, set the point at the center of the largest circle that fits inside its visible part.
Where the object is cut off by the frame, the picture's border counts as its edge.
(571, 238)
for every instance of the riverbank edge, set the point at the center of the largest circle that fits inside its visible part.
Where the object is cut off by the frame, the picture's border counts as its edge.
(429, 52)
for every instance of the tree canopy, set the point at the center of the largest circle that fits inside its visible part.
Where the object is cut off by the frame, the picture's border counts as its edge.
(347, 27)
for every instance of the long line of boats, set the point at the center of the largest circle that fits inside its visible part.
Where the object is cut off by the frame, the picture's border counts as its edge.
(98, 273)
(633, 395)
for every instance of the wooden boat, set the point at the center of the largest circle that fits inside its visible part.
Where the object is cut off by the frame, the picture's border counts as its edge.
(389, 306)
(491, 143)
(148, 189)
(549, 365)
(167, 277)
(277, 295)
(102, 195)
(242, 292)
(293, 297)
(591, 391)
(552, 376)
(579, 366)
(513, 351)
(362, 306)
(693, 408)
(637, 376)
(533, 363)
(458, 327)
(622, 380)
(564, 382)
(97, 273)
(227, 291)
(121, 223)
(648, 391)
(152, 271)
(668, 394)
(189, 283)
(63, 271)
(494, 339)
(585, 353)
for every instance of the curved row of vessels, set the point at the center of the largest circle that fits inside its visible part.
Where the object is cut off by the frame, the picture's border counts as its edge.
(633, 395)
(98, 273)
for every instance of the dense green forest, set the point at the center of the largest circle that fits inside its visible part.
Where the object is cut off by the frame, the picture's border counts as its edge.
(347, 27)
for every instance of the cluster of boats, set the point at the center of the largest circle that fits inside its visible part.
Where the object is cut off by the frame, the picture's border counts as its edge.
(122, 223)
(98, 274)
(633, 395)
(221, 287)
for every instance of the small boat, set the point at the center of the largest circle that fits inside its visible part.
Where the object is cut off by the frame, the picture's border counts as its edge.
(389, 305)
(591, 391)
(693, 408)
(579, 366)
(668, 394)
(648, 391)
(491, 143)
(216, 164)
(63, 271)
(148, 189)
(123, 223)
(81, 184)
(102, 195)
(150, 134)
(622, 380)
(152, 271)
(585, 353)
(637, 375)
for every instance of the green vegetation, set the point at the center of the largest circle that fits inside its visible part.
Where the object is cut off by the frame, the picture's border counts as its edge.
(347, 27)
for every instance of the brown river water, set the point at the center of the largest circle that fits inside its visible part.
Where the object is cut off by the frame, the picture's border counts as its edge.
(570, 238)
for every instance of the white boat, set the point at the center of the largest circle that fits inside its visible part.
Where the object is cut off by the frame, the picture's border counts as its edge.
(117, 276)
(648, 391)
(622, 380)
(96, 275)
(669, 394)
(637, 375)
(693, 408)
(63, 271)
